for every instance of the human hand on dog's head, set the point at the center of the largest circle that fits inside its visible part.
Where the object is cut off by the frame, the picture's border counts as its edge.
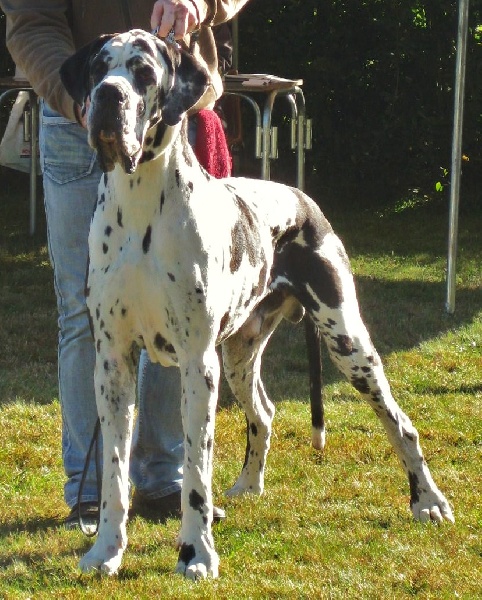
(181, 16)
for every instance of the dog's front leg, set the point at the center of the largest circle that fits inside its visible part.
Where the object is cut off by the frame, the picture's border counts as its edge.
(200, 380)
(115, 395)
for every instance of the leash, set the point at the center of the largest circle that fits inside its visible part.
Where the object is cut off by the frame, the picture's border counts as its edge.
(93, 442)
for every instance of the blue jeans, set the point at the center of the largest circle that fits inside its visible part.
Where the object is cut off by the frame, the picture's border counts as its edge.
(70, 177)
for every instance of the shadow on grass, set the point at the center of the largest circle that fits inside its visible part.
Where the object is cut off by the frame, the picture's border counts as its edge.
(399, 314)
(31, 525)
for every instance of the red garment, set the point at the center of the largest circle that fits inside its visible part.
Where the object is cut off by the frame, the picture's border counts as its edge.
(211, 147)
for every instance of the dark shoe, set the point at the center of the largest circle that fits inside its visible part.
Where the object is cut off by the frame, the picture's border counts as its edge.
(89, 512)
(160, 509)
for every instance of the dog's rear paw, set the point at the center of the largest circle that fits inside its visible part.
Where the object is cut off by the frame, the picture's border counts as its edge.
(106, 561)
(245, 485)
(432, 506)
(318, 438)
(197, 565)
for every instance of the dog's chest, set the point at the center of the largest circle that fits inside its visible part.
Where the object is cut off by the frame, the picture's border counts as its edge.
(170, 263)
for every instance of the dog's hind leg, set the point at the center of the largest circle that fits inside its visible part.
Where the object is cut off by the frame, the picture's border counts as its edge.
(115, 394)
(329, 295)
(313, 346)
(242, 355)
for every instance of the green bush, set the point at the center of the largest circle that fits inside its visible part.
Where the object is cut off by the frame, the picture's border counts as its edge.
(378, 79)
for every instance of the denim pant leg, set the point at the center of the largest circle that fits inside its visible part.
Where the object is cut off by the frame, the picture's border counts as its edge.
(158, 449)
(71, 177)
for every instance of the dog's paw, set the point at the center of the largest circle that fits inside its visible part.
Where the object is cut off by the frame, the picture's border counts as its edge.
(246, 485)
(197, 564)
(318, 438)
(107, 560)
(431, 505)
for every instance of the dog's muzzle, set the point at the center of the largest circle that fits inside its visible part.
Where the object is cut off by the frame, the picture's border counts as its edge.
(110, 133)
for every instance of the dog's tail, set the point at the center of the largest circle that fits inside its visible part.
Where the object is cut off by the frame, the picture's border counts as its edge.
(313, 344)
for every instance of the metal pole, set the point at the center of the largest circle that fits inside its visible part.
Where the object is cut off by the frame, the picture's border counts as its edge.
(457, 152)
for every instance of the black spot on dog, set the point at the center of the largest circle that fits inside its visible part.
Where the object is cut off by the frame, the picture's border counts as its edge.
(414, 489)
(376, 397)
(123, 311)
(209, 382)
(196, 501)
(178, 177)
(171, 277)
(105, 248)
(106, 366)
(147, 156)
(360, 384)
(190, 186)
(146, 242)
(102, 198)
(131, 183)
(159, 341)
(108, 230)
(344, 345)
(160, 131)
(143, 46)
(105, 179)
(244, 237)
(187, 553)
(163, 199)
(98, 345)
(119, 216)
(254, 429)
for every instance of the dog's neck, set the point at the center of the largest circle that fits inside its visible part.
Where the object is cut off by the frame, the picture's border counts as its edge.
(167, 162)
(160, 138)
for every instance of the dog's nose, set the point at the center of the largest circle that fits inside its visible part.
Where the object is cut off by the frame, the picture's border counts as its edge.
(110, 94)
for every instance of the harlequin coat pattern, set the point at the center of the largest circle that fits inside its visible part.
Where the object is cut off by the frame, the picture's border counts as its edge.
(181, 263)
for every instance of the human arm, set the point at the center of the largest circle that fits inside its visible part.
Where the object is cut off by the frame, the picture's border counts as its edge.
(39, 41)
(185, 16)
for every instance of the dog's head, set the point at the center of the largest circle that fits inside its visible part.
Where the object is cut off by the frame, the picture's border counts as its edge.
(134, 81)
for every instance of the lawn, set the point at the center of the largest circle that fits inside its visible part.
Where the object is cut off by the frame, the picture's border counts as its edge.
(330, 525)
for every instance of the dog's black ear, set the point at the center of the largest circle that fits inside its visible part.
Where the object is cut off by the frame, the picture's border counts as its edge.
(190, 81)
(74, 72)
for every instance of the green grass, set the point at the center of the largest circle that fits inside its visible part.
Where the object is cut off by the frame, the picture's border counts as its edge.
(332, 525)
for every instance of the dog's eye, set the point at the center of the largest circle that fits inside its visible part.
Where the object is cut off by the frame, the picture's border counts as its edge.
(145, 76)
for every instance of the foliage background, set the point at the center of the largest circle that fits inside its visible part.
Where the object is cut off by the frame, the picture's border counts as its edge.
(378, 79)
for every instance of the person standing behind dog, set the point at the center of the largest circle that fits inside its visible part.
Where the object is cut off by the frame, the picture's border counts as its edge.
(40, 36)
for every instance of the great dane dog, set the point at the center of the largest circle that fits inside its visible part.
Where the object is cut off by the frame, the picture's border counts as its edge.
(180, 263)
